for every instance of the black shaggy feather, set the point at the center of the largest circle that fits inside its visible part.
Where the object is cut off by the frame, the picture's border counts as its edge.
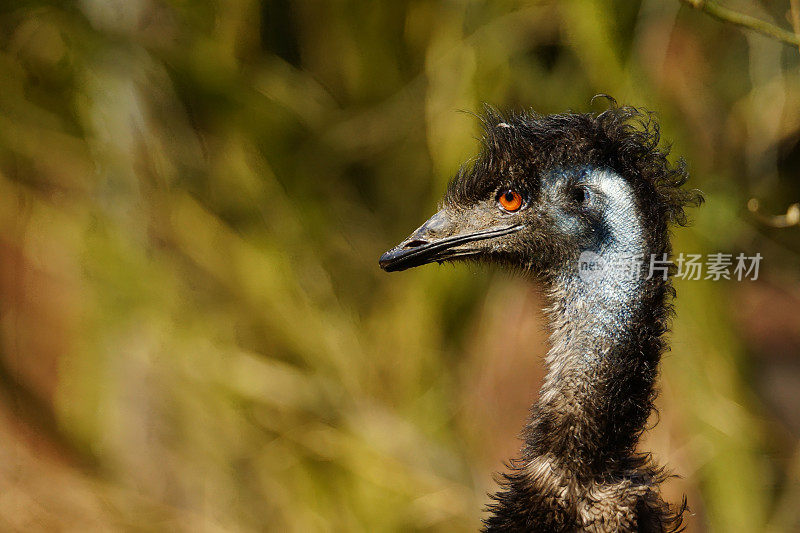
(578, 469)
(623, 138)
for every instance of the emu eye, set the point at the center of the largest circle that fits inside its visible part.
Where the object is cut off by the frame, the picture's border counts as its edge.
(510, 200)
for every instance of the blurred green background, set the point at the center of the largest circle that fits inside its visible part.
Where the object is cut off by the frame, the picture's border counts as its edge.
(195, 334)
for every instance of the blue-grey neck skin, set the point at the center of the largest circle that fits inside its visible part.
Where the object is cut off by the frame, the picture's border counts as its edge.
(598, 306)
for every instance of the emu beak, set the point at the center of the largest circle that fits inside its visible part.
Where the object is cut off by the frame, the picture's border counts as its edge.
(441, 238)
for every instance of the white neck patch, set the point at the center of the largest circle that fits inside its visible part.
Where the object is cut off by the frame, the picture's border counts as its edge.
(621, 213)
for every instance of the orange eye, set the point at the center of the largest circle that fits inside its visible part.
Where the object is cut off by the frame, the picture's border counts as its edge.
(510, 200)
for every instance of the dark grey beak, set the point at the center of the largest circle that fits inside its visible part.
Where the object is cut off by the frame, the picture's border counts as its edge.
(439, 239)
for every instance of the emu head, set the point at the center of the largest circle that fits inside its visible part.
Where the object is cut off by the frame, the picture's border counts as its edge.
(546, 188)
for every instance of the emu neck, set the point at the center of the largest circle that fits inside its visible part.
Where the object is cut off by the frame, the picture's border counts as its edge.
(605, 349)
(597, 393)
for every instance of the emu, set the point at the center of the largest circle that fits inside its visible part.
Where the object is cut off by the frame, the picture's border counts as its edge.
(545, 191)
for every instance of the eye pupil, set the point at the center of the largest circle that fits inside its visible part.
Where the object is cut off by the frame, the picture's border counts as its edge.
(580, 195)
(509, 196)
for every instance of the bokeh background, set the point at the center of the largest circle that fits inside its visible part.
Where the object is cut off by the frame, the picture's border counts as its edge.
(195, 334)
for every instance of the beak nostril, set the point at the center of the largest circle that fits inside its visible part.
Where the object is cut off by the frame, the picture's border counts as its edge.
(415, 243)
